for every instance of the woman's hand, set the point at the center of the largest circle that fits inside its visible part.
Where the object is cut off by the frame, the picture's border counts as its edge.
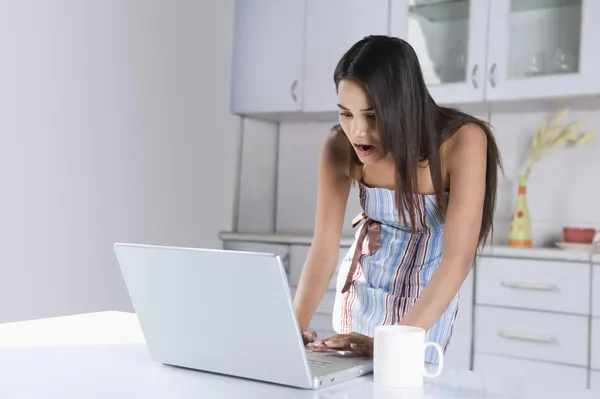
(356, 343)
(308, 337)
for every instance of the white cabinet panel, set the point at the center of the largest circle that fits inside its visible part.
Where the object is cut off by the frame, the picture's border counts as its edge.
(258, 175)
(531, 370)
(534, 284)
(595, 381)
(267, 56)
(532, 335)
(559, 60)
(596, 291)
(447, 38)
(595, 332)
(332, 27)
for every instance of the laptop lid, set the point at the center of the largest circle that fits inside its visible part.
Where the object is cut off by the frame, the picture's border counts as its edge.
(221, 311)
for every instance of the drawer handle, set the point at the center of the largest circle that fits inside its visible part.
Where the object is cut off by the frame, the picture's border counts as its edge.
(545, 339)
(529, 286)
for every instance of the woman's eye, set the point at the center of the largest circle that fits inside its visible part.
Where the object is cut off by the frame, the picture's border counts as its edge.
(371, 116)
(346, 114)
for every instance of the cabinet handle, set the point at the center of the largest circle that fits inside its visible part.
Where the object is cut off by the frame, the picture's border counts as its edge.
(293, 90)
(529, 286)
(543, 339)
(474, 79)
(493, 75)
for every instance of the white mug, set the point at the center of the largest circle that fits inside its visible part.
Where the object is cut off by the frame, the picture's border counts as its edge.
(399, 356)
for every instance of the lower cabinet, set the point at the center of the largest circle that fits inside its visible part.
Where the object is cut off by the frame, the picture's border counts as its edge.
(596, 344)
(530, 370)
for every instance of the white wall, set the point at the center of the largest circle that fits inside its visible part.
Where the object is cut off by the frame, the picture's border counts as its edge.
(115, 126)
(561, 190)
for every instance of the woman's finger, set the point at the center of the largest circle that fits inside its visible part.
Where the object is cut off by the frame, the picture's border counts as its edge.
(362, 349)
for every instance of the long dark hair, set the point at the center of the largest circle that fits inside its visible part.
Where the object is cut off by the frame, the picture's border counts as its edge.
(412, 126)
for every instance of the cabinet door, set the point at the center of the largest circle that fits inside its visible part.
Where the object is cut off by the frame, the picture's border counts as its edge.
(449, 38)
(543, 48)
(267, 56)
(332, 27)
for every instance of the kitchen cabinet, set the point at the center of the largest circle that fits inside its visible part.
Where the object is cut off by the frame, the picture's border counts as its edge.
(285, 52)
(449, 38)
(549, 285)
(267, 56)
(595, 341)
(332, 27)
(550, 337)
(596, 290)
(468, 56)
(559, 59)
(570, 376)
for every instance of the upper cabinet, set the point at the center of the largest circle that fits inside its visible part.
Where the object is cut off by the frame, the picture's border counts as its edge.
(470, 51)
(268, 51)
(543, 48)
(332, 27)
(449, 38)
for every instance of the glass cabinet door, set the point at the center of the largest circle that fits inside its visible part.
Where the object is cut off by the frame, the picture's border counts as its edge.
(540, 48)
(449, 37)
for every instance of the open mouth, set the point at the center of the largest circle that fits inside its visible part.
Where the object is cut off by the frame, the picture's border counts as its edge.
(364, 149)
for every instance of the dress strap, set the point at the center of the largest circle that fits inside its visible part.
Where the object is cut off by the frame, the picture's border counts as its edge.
(371, 230)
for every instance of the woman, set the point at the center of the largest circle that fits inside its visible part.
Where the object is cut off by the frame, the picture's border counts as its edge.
(437, 165)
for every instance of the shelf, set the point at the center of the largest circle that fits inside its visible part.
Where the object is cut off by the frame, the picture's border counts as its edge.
(456, 10)
(529, 5)
(443, 10)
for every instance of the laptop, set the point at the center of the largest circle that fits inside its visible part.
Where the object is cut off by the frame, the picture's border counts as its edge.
(226, 312)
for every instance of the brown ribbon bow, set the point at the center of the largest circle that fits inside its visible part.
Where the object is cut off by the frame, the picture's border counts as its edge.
(371, 229)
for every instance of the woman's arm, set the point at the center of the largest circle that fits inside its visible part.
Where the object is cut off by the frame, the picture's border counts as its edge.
(467, 170)
(332, 198)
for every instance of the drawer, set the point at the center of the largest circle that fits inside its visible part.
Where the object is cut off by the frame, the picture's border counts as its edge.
(298, 255)
(596, 291)
(530, 370)
(595, 344)
(534, 284)
(282, 250)
(532, 335)
(595, 381)
(325, 306)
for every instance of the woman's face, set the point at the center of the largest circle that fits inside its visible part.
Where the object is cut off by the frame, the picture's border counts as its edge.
(357, 119)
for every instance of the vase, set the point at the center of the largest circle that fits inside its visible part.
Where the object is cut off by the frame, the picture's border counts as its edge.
(519, 234)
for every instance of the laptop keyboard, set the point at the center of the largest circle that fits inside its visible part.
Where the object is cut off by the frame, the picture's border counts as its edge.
(318, 364)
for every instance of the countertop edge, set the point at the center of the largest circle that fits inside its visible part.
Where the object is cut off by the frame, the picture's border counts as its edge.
(500, 251)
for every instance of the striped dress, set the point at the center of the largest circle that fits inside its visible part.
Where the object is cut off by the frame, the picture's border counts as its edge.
(388, 266)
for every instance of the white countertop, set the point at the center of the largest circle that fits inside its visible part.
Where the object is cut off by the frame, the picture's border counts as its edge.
(102, 355)
(546, 253)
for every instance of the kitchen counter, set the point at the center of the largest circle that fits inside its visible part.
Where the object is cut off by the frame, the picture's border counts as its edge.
(546, 253)
(103, 355)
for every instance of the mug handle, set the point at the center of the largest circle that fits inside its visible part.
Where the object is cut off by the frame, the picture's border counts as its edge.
(440, 366)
